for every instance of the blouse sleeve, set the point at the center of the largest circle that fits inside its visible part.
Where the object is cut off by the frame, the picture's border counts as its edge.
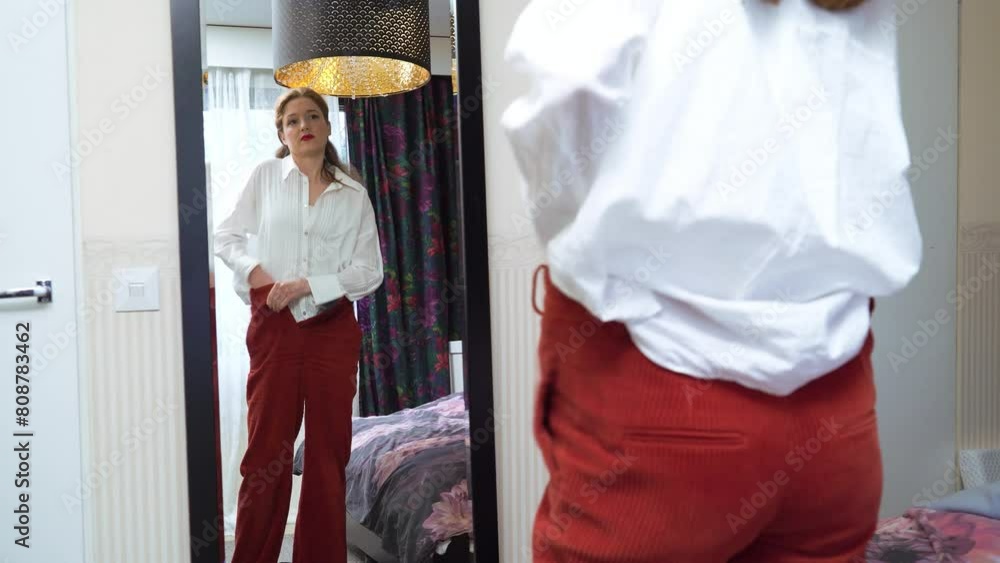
(364, 273)
(231, 236)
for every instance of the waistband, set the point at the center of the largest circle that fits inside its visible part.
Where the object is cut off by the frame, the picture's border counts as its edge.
(565, 307)
(330, 312)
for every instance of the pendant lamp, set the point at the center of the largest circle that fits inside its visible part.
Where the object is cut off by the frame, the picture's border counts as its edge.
(352, 48)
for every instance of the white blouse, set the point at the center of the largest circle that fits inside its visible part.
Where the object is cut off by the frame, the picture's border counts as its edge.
(724, 177)
(334, 244)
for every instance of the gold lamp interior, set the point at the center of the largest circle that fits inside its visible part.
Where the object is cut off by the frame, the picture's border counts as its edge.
(355, 77)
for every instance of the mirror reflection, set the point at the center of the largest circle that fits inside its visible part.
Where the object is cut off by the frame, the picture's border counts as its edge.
(337, 299)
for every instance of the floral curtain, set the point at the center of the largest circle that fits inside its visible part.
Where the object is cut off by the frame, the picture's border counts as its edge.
(406, 148)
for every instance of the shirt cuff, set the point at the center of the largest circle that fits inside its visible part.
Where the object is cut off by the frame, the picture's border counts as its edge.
(245, 265)
(326, 288)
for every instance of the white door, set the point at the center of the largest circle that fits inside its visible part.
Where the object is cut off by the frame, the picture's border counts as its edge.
(40, 463)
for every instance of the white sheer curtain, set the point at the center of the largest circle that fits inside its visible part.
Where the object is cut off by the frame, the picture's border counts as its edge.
(239, 134)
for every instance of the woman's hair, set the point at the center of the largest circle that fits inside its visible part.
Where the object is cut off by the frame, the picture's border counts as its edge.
(331, 158)
(832, 5)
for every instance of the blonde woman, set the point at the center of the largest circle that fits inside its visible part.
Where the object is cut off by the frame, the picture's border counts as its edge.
(700, 172)
(318, 250)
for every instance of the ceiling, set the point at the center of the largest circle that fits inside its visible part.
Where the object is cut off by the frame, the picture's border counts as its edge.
(257, 13)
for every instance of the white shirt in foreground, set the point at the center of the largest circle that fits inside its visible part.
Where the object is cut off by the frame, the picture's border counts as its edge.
(333, 244)
(725, 178)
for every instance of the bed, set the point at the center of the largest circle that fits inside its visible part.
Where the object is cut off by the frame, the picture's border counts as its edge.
(407, 487)
(922, 535)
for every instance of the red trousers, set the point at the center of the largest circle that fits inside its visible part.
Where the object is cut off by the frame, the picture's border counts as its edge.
(652, 466)
(294, 367)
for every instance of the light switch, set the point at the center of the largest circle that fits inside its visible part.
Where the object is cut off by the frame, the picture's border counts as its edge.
(137, 289)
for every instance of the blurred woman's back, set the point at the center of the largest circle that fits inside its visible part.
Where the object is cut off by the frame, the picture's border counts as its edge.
(719, 188)
(760, 147)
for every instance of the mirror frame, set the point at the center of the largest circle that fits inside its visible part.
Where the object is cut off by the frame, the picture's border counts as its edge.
(204, 488)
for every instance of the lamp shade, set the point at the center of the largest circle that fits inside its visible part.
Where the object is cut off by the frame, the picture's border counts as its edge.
(352, 48)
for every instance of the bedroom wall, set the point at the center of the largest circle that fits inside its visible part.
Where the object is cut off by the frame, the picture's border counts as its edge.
(135, 488)
(979, 218)
(514, 253)
(917, 448)
(915, 331)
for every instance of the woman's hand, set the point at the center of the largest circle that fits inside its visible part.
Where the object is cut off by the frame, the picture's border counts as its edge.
(285, 292)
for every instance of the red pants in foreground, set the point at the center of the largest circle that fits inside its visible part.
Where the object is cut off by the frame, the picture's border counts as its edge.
(652, 466)
(308, 366)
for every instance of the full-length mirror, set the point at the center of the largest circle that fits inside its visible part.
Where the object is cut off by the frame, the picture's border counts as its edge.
(339, 308)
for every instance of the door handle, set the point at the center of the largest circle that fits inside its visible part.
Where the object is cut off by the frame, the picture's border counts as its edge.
(42, 290)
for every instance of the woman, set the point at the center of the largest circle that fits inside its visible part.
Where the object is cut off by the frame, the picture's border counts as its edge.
(317, 251)
(702, 175)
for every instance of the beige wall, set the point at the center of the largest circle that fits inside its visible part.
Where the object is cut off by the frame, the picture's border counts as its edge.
(130, 178)
(979, 218)
(979, 194)
(135, 461)
(514, 253)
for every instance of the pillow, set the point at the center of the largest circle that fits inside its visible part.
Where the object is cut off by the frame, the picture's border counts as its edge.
(979, 467)
(982, 501)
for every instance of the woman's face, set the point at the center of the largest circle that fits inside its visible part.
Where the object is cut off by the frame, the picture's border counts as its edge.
(305, 130)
